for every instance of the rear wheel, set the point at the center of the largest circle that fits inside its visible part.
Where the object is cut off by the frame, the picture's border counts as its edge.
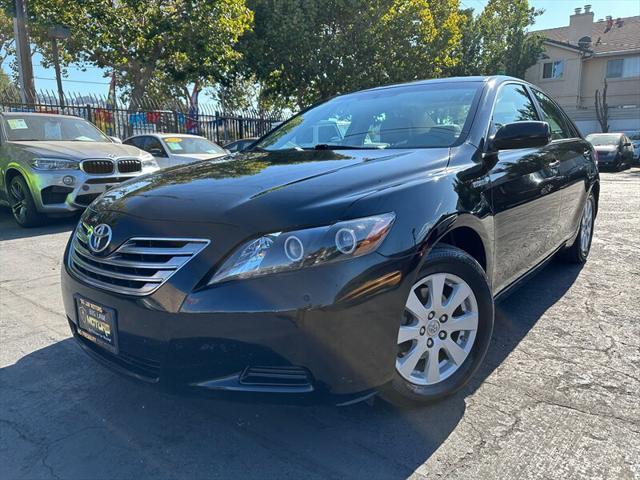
(579, 250)
(22, 205)
(445, 329)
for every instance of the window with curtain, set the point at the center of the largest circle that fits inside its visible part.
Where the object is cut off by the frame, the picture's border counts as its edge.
(623, 67)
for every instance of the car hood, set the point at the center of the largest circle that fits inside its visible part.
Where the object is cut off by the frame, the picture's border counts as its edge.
(268, 191)
(77, 150)
(198, 156)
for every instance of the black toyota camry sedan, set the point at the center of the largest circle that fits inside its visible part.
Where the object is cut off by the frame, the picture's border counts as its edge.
(357, 248)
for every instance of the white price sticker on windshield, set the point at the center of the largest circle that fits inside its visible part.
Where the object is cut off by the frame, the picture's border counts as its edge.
(17, 123)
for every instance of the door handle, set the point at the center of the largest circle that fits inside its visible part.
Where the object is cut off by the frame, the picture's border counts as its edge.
(554, 164)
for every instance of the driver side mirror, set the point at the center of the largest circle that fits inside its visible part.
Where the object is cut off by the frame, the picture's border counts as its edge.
(157, 152)
(521, 135)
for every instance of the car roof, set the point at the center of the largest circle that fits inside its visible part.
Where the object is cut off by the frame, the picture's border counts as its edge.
(37, 114)
(470, 79)
(165, 135)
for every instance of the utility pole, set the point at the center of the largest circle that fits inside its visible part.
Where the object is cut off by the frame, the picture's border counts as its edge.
(23, 53)
(58, 32)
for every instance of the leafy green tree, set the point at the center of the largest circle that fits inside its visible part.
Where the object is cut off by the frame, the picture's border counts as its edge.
(189, 41)
(6, 34)
(497, 41)
(306, 50)
(5, 83)
(248, 95)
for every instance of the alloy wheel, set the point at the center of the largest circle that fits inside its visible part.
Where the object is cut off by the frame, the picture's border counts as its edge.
(586, 226)
(438, 331)
(19, 197)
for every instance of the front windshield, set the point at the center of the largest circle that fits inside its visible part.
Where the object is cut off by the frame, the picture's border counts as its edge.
(192, 145)
(48, 128)
(603, 139)
(413, 116)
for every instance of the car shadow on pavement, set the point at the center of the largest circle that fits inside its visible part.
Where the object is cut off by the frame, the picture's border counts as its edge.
(63, 415)
(10, 230)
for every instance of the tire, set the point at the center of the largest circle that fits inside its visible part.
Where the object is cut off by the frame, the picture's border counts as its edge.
(579, 250)
(23, 207)
(457, 269)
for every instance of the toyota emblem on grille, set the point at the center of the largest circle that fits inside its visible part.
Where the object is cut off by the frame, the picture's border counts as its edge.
(99, 238)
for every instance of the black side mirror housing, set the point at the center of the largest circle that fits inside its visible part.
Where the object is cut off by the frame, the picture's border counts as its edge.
(156, 152)
(521, 135)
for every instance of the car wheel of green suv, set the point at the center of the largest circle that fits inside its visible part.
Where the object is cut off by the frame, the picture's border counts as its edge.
(22, 205)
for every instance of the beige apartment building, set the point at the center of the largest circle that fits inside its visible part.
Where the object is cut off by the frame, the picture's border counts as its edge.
(579, 57)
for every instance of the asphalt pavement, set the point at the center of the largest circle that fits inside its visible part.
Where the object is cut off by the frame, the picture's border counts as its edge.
(557, 397)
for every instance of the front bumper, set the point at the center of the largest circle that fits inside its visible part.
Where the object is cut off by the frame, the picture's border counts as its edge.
(609, 160)
(52, 195)
(326, 331)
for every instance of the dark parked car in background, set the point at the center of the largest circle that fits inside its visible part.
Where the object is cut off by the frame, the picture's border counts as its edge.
(240, 145)
(368, 264)
(635, 143)
(615, 150)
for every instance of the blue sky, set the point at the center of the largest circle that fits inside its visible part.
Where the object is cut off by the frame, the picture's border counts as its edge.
(556, 15)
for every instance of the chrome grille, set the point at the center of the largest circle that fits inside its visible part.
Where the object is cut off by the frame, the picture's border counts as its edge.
(97, 166)
(129, 165)
(138, 267)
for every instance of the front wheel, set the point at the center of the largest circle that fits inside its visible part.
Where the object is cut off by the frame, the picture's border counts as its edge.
(445, 329)
(22, 205)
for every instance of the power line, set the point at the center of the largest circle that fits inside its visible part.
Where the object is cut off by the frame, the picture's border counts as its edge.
(74, 81)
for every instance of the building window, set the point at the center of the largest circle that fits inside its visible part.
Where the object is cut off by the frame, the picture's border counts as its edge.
(553, 69)
(623, 67)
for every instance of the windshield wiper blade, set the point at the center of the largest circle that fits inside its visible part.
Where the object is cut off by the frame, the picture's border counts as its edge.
(329, 146)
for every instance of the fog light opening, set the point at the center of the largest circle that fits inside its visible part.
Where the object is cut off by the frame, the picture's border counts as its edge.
(68, 180)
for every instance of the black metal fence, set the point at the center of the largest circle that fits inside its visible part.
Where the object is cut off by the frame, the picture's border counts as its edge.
(114, 120)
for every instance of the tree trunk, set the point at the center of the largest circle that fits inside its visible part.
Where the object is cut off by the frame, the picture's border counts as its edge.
(602, 109)
(139, 87)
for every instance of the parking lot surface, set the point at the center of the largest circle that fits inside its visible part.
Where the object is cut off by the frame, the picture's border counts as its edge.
(557, 397)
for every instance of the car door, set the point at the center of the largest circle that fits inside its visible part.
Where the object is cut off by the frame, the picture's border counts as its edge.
(628, 150)
(522, 184)
(573, 156)
(154, 146)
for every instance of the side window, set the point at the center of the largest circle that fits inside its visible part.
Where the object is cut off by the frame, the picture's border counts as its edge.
(136, 142)
(153, 146)
(552, 114)
(512, 105)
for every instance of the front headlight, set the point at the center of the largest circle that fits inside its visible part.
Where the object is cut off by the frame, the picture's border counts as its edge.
(54, 164)
(148, 161)
(285, 251)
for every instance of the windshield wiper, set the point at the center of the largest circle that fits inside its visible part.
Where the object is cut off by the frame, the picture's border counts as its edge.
(329, 146)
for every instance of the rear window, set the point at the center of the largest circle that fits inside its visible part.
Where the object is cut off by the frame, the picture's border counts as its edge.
(603, 139)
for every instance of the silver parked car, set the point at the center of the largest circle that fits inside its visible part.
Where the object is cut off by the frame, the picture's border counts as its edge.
(172, 149)
(58, 164)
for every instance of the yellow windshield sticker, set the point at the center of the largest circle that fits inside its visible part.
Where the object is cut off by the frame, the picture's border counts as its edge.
(17, 123)
(173, 139)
